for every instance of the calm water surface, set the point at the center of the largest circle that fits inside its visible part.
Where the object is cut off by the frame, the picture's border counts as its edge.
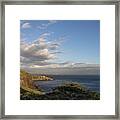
(92, 82)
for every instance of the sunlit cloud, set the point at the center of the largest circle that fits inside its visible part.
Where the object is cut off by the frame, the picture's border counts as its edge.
(39, 51)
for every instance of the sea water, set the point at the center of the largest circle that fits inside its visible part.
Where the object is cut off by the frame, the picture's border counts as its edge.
(91, 82)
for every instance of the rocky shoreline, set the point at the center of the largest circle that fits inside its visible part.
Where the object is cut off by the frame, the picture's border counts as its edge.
(67, 91)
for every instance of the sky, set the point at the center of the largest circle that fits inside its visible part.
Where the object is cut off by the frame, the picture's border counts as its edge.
(60, 46)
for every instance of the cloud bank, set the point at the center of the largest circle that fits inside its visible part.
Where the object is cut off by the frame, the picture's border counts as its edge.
(39, 51)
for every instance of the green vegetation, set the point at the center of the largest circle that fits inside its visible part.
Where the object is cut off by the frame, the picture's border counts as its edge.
(71, 91)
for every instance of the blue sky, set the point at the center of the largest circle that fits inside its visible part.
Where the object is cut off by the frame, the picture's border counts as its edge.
(59, 41)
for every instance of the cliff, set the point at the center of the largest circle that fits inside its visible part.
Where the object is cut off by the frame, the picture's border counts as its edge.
(26, 84)
(26, 80)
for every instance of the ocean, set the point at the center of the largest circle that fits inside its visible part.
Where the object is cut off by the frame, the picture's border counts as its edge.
(92, 82)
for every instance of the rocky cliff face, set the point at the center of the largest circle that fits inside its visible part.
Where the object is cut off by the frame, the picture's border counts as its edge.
(26, 80)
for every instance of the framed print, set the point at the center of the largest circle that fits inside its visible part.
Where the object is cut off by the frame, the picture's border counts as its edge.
(60, 59)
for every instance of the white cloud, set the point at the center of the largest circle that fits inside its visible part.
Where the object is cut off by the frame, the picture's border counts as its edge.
(38, 52)
(46, 25)
(26, 25)
(54, 46)
(43, 35)
(35, 52)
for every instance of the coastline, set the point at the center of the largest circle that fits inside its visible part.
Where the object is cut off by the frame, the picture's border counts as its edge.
(68, 90)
